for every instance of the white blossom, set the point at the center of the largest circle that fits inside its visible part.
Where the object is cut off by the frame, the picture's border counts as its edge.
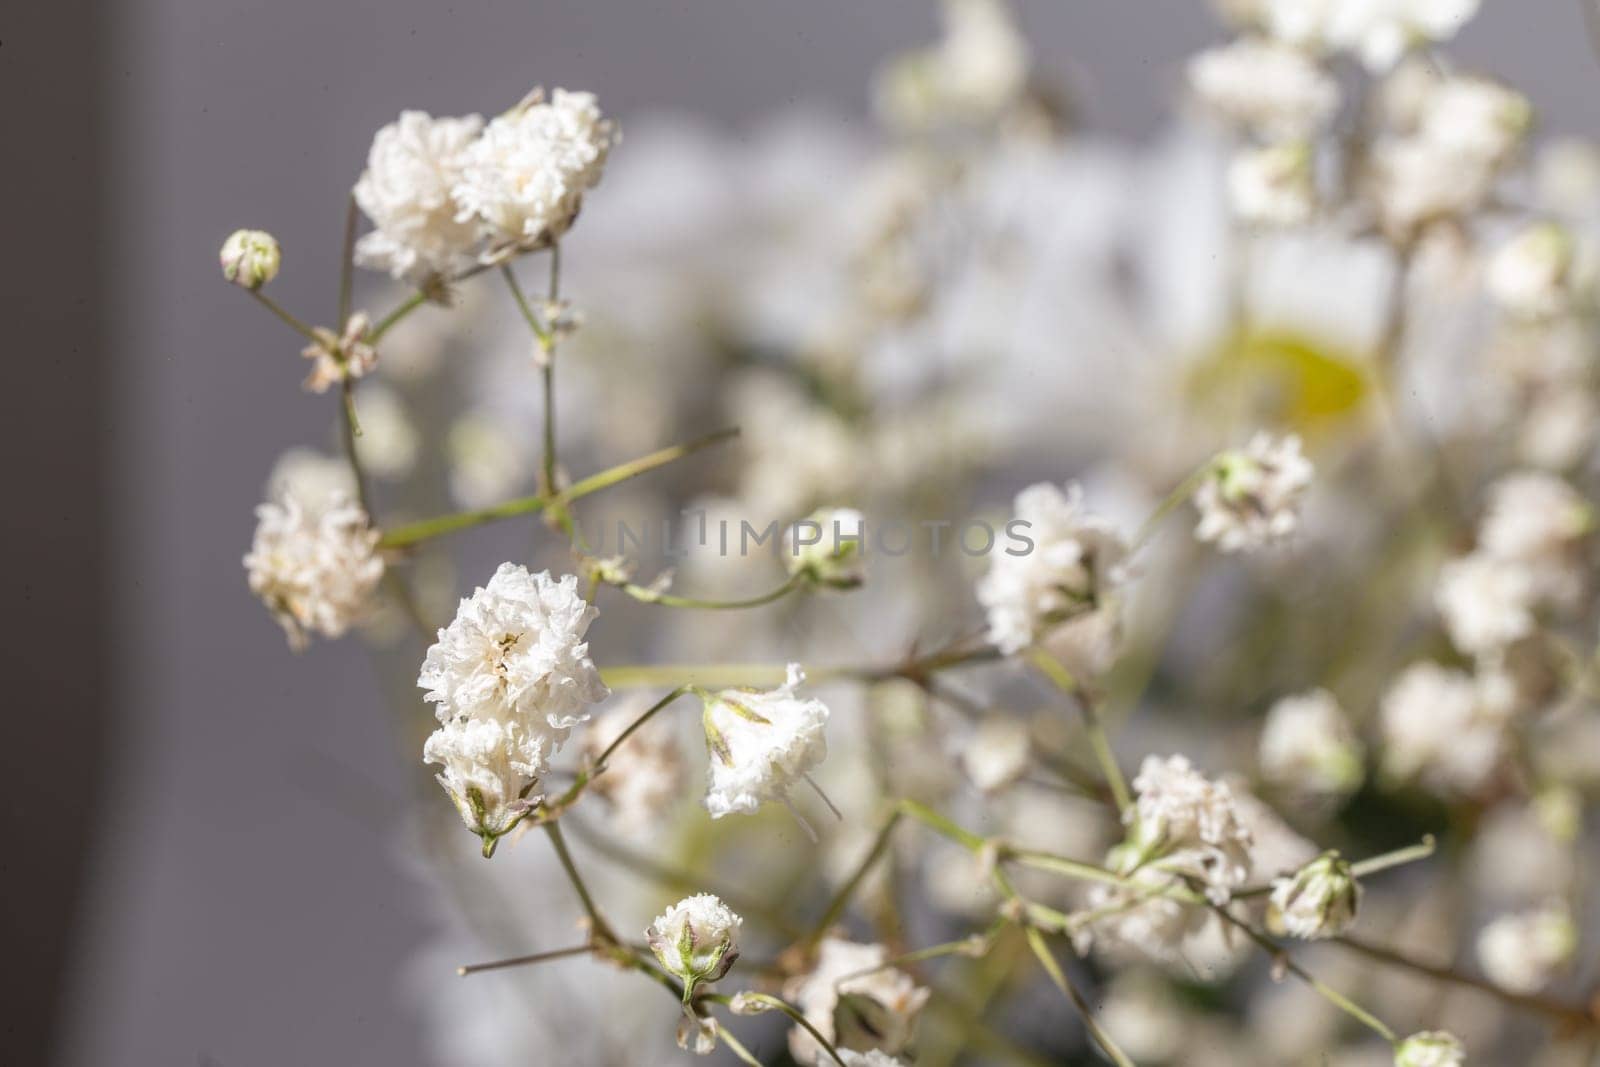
(1530, 275)
(1379, 31)
(1073, 565)
(525, 176)
(1486, 603)
(490, 769)
(1318, 901)
(854, 1001)
(250, 258)
(1274, 185)
(316, 568)
(762, 744)
(406, 190)
(1523, 951)
(979, 67)
(1189, 824)
(1309, 747)
(1443, 727)
(1473, 118)
(515, 651)
(1270, 88)
(696, 940)
(338, 357)
(870, 1058)
(1538, 522)
(1416, 183)
(1137, 918)
(1431, 1048)
(1252, 496)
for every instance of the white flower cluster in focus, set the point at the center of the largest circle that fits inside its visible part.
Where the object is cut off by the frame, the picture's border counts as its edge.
(855, 1001)
(762, 744)
(1252, 496)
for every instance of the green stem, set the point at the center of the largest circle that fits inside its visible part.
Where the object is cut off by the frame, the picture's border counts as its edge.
(791, 1011)
(283, 315)
(600, 763)
(1062, 678)
(1409, 854)
(388, 322)
(598, 925)
(1173, 500)
(669, 600)
(1052, 967)
(426, 529)
(841, 899)
(943, 826)
(520, 961)
(738, 1049)
(347, 260)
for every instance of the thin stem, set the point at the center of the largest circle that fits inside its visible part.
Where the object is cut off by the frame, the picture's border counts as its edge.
(1409, 854)
(1045, 861)
(519, 961)
(1062, 678)
(943, 826)
(347, 260)
(349, 430)
(1281, 956)
(289, 320)
(916, 670)
(600, 763)
(598, 924)
(669, 600)
(1052, 967)
(406, 307)
(841, 899)
(734, 1046)
(1173, 500)
(427, 529)
(791, 1011)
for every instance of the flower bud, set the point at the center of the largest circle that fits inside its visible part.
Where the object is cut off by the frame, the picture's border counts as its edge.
(826, 547)
(1320, 900)
(1431, 1048)
(250, 258)
(695, 940)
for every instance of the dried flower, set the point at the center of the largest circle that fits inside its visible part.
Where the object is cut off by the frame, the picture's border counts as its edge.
(316, 568)
(696, 940)
(854, 1001)
(1309, 748)
(490, 770)
(337, 357)
(250, 258)
(1189, 824)
(525, 177)
(1072, 565)
(406, 190)
(1252, 496)
(1319, 900)
(1431, 1048)
(761, 744)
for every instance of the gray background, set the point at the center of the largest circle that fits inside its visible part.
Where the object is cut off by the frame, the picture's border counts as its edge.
(229, 912)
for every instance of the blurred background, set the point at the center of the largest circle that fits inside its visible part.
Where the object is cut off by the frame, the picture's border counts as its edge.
(182, 885)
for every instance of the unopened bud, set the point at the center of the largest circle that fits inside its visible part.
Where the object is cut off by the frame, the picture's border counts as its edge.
(1319, 900)
(695, 940)
(250, 258)
(1432, 1048)
(832, 557)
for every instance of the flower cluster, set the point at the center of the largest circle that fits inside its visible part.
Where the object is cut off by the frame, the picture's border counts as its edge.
(762, 744)
(1252, 496)
(315, 566)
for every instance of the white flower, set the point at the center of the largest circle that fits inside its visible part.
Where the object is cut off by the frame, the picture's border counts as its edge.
(1486, 603)
(1416, 182)
(412, 167)
(761, 744)
(644, 775)
(515, 651)
(696, 940)
(1530, 276)
(338, 357)
(1273, 89)
(1073, 563)
(250, 258)
(1308, 746)
(1431, 1048)
(1273, 186)
(490, 769)
(978, 68)
(870, 1058)
(997, 753)
(315, 568)
(525, 177)
(1444, 728)
(1538, 521)
(1252, 496)
(1380, 31)
(389, 442)
(854, 1001)
(1474, 118)
(1189, 825)
(1318, 901)
(1522, 952)
(826, 547)
(1137, 919)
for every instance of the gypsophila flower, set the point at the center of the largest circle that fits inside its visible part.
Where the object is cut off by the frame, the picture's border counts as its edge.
(1320, 900)
(490, 769)
(337, 357)
(1073, 566)
(250, 258)
(1137, 919)
(1189, 824)
(870, 1058)
(1252, 496)
(1530, 276)
(1522, 952)
(1308, 747)
(316, 568)
(761, 744)
(826, 548)
(1416, 183)
(1270, 88)
(697, 1034)
(524, 178)
(1431, 1048)
(1444, 728)
(1379, 31)
(1474, 118)
(406, 190)
(515, 651)
(1486, 603)
(696, 940)
(854, 1001)
(1539, 522)
(1273, 186)
(979, 67)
